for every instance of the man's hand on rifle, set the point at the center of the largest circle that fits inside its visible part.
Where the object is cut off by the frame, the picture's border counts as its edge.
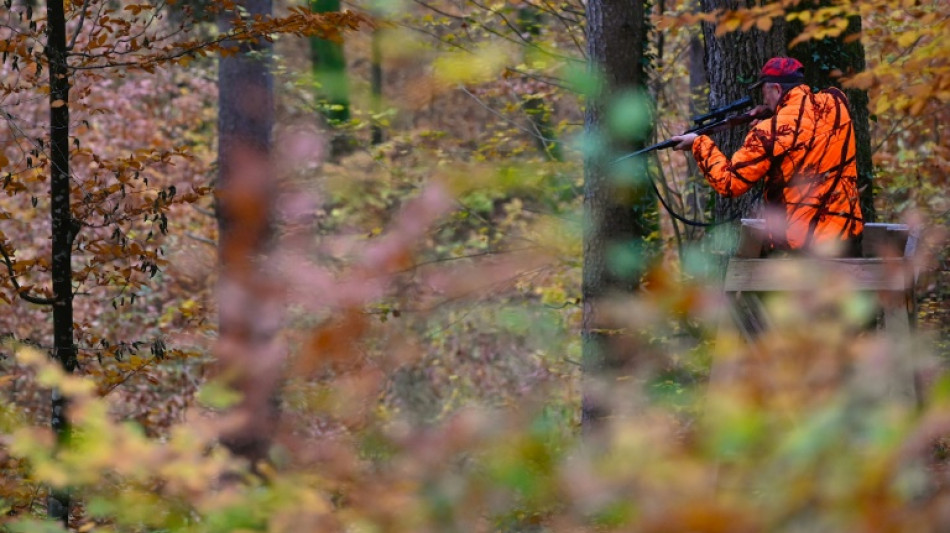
(684, 142)
(762, 111)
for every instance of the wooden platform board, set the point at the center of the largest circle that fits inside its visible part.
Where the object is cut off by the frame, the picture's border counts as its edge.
(799, 274)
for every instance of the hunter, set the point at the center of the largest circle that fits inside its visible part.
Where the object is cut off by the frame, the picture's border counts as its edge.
(804, 147)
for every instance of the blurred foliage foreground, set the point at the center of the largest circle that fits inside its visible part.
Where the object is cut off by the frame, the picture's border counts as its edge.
(807, 432)
(440, 390)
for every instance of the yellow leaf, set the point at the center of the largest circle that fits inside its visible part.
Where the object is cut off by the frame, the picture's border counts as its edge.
(486, 63)
(862, 81)
(883, 104)
(57, 103)
(728, 25)
(764, 23)
(907, 39)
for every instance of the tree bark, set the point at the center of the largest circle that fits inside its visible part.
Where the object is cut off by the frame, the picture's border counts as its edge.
(63, 231)
(732, 62)
(617, 212)
(698, 193)
(698, 83)
(246, 350)
(825, 61)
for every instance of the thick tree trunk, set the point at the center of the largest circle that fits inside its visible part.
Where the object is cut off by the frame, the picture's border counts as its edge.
(63, 231)
(825, 61)
(617, 212)
(246, 350)
(733, 61)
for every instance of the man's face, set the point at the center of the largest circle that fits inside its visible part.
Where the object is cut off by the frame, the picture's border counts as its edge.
(771, 94)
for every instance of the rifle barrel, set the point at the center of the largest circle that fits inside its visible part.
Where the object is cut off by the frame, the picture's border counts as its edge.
(719, 113)
(719, 125)
(658, 146)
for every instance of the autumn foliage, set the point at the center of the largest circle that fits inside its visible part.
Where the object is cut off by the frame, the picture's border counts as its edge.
(412, 321)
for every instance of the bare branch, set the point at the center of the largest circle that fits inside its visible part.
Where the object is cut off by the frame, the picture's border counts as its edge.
(82, 19)
(201, 239)
(506, 119)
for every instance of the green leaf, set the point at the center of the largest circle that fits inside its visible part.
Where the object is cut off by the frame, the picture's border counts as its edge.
(217, 395)
(629, 115)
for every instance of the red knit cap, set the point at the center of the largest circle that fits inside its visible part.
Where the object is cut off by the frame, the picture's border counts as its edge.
(781, 70)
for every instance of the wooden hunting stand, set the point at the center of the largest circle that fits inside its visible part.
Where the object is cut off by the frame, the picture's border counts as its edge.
(886, 270)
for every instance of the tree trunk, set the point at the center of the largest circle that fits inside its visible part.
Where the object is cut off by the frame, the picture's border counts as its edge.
(376, 86)
(617, 212)
(732, 61)
(63, 231)
(246, 351)
(329, 67)
(698, 83)
(825, 61)
(698, 193)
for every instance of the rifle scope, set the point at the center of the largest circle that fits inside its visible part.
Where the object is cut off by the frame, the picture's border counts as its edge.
(718, 114)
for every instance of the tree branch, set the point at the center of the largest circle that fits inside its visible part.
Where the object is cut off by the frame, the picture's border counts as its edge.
(16, 284)
(82, 19)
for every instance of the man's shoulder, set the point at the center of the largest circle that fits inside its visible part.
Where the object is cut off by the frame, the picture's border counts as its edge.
(833, 93)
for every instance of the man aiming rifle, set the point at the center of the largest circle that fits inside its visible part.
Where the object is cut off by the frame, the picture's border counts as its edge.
(804, 148)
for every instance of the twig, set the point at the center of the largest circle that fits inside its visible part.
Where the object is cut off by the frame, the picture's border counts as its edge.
(203, 211)
(460, 257)
(199, 238)
(82, 19)
(16, 284)
(504, 118)
(127, 377)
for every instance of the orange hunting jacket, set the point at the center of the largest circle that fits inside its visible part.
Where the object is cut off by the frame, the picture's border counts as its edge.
(806, 153)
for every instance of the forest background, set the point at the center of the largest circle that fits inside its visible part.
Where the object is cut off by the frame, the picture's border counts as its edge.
(329, 268)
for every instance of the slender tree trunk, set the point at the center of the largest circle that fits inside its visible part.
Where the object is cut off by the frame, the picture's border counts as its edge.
(63, 231)
(617, 212)
(376, 85)
(329, 67)
(825, 61)
(698, 83)
(249, 358)
(698, 194)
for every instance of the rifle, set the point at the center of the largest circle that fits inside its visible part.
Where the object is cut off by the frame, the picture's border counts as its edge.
(715, 120)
